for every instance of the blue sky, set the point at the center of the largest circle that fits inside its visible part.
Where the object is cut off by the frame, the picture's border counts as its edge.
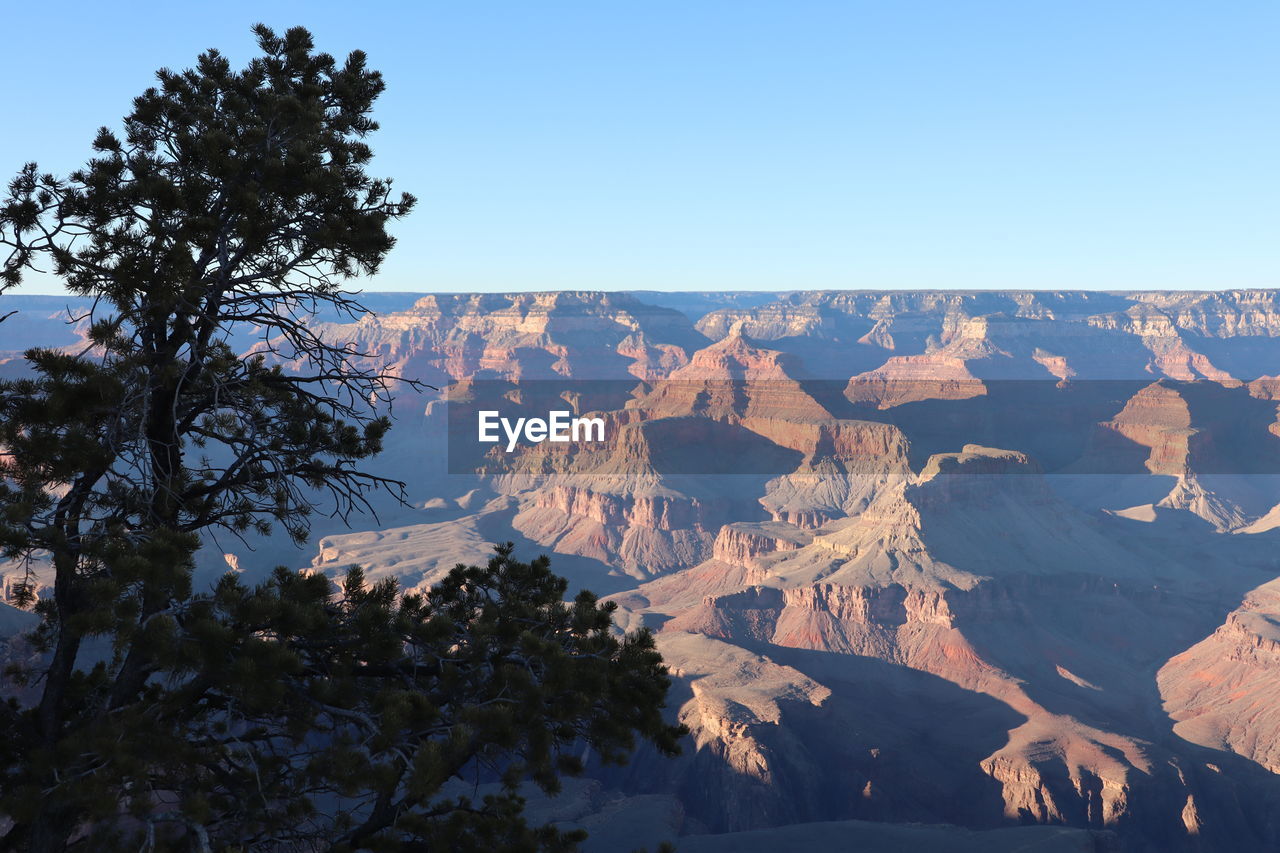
(756, 145)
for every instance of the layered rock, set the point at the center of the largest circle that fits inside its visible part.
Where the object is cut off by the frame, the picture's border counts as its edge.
(733, 429)
(1180, 335)
(1156, 418)
(743, 544)
(912, 378)
(525, 335)
(989, 619)
(1224, 692)
(651, 499)
(1207, 441)
(865, 623)
(643, 534)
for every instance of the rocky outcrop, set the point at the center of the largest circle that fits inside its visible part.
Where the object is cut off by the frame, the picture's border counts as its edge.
(644, 535)
(1224, 692)
(897, 615)
(735, 377)
(445, 337)
(735, 411)
(1156, 418)
(913, 378)
(833, 509)
(741, 544)
(1069, 335)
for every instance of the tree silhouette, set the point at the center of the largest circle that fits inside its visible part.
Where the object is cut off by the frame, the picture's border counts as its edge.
(291, 715)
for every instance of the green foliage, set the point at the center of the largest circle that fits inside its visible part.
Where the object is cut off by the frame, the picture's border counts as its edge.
(234, 200)
(355, 717)
(286, 716)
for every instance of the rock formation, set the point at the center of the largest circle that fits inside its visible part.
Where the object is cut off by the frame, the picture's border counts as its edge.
(940, 570)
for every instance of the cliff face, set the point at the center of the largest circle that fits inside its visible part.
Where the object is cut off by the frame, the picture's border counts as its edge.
(982, 572)
(982, 559)
(697, 451)
(1224, 692)
(1075, 753)
(744, 544)
(1157, 417)
(640, 534)
(1029, 335)
(526, 336)
(916, 556)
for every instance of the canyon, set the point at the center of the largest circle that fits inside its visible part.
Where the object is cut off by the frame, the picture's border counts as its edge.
(939, 570)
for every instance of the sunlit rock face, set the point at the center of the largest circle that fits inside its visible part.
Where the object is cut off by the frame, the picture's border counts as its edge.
(979, 563)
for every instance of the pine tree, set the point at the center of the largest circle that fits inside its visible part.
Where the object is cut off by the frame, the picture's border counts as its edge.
(289, 715)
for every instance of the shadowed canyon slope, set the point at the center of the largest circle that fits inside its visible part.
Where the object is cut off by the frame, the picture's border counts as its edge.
(932, 570)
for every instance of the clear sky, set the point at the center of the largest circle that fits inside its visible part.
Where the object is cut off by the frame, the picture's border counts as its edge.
(755, 145)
